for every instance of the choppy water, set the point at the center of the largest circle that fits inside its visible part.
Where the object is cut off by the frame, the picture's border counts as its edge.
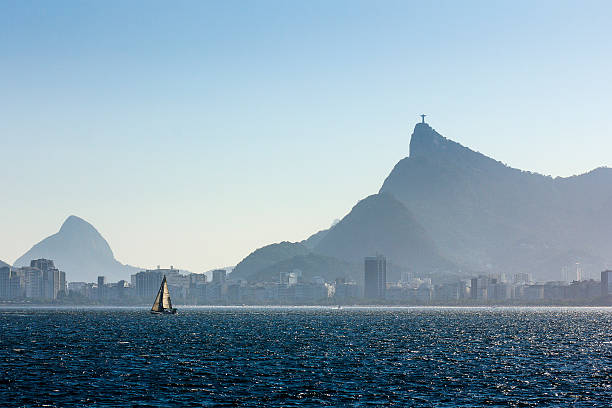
(306, 356)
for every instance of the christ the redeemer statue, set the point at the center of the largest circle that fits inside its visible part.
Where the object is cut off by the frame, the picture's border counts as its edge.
(423, 118)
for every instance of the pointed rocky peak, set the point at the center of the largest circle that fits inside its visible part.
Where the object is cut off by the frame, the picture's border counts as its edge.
(425, 141)
(79, 250)
(76, 224)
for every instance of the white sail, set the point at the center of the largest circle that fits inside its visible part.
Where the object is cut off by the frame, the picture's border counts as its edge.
(162, 303)
(157, 304)
(166, 302)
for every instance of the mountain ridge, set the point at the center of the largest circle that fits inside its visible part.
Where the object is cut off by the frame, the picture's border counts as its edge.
(267, 256)
(381, 224)
(477, 208)
(477, 215)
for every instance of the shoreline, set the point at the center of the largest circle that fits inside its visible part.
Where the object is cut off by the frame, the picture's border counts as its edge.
(309, 307)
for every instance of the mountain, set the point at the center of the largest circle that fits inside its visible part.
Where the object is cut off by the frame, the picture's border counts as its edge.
(377, 224)
(446, 208)
(485, 215)
(267, 256)
(3, 264)
(79, 250)
(382, 224)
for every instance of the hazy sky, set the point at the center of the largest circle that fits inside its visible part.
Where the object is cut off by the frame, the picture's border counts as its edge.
(191, 133)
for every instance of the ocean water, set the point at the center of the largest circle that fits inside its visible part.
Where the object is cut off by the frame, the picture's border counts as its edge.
(287, 357)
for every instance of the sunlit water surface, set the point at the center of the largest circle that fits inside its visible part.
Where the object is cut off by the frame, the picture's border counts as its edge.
(306, 356)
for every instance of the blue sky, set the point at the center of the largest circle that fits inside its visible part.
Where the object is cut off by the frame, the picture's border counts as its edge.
(191, 133)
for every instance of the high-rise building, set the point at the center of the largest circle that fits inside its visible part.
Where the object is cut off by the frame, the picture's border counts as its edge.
(51, 282)
(42, 264)
(12, 283)
(219, 276)
(606, 283)
(5, 282)
(375, 269)
(33, 282)
(17, 284)
(62, 283)
(479, 288)
(147, 283)
(284, 278)
(101, 287)
(295, 277)
(345, 290)
(522, 278)
(47, 283)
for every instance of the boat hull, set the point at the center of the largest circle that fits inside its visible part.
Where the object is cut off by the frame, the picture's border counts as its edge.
(165, 311)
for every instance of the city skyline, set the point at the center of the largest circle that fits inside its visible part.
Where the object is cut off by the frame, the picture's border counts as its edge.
(182, 154)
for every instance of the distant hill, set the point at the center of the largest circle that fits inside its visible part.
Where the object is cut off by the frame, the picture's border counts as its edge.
(267, 256)
(382, 224)
(377, 224)
(488, 216)
(314, 239)
(311, 265)
(80, 251)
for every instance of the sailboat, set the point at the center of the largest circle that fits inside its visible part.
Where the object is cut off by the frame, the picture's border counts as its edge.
(163, 304)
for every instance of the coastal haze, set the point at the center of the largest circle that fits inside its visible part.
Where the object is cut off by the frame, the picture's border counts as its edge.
(445, 209)
(191, 136)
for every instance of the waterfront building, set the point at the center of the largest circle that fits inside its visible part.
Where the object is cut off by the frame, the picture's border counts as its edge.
(147, 283)
(17, 284)
(258, 293)
(234, 292)
(48, 283)
(85, 289)
(606, 283)
(214, 292)
(219, 276)
(5, 280)
(309, 293)
(584, 290)
(464, 289)
(116, 291)
(424, 294)
(284, 278)
(294, 277)
(533, 292)
(343, 290)
(479, 288)
(12, 283)
(522, 278)
(42, 264)
(51, 283)
(556, 290)
(197, 279)
(405, 277)
(499, 290)
(375, 277)
(33, 282)
(447, 292)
